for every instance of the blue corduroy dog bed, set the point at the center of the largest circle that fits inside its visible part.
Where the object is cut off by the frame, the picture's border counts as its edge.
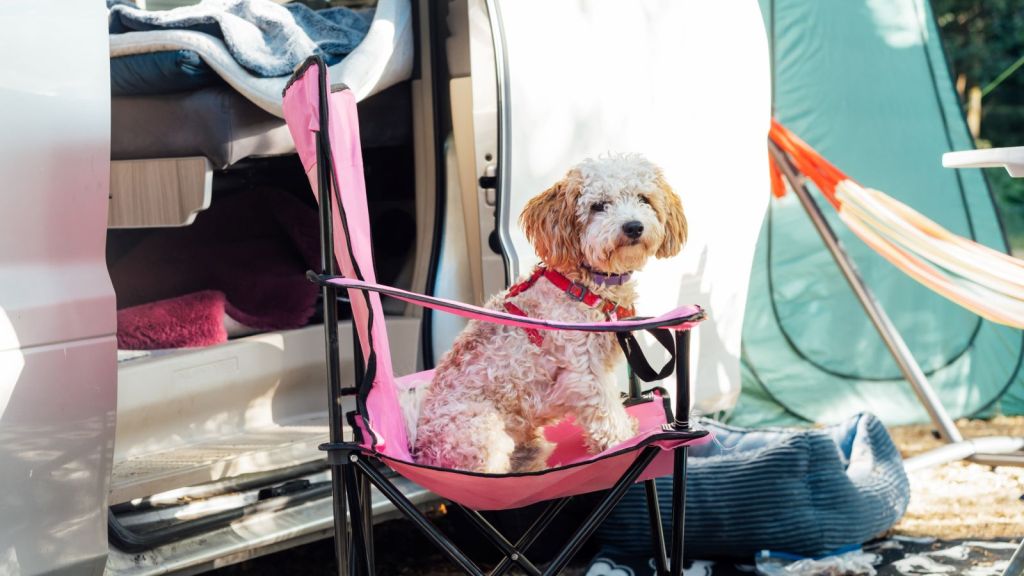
(807, 492)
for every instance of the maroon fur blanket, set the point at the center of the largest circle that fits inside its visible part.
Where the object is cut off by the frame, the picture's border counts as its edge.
(245, 256)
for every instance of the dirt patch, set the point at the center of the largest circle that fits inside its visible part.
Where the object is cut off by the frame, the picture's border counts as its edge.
(961, 499)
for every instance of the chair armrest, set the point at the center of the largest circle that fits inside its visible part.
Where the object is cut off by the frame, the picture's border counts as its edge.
(1010, 158)
(682, 318)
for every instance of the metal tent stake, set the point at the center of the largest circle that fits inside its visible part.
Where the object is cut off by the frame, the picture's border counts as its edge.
(992, 451)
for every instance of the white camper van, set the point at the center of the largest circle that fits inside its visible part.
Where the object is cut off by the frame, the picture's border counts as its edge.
(158, 459)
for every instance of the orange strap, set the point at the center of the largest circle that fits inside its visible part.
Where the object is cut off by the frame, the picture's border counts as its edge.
(808, 161)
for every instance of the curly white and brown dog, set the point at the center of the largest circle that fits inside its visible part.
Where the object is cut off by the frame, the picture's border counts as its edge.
(499, 386)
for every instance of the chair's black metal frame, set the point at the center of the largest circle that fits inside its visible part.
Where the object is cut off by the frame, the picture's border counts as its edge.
(353, 471)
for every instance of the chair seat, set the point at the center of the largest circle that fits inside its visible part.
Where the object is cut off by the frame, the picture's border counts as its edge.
(573, 471)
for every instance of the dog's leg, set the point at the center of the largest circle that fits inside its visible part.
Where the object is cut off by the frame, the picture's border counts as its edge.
(473, 438)
(598, 408)
(410, 400)
(607, 425)
(532, 454)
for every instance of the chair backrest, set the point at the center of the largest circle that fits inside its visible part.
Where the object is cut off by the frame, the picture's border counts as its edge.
(325, 127)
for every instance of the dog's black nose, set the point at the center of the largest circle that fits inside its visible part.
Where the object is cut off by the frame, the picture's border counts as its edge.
(633, 229)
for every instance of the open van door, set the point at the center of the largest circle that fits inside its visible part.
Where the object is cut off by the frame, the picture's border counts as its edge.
(685, 83)
(473, 93)
(57, 349)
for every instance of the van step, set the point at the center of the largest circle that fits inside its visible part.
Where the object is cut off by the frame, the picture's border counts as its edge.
(252, 404)
(253, 536)
(257, 450)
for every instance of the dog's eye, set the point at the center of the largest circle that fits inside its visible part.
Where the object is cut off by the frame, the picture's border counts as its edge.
(644, 200)
(598, 206)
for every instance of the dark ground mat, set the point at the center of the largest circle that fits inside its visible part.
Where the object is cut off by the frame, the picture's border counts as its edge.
(897, 556)
(402, 550)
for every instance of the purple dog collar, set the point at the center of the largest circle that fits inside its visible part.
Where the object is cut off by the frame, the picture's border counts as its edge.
(603, 279)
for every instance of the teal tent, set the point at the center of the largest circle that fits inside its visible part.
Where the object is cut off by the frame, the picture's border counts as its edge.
(866, 83)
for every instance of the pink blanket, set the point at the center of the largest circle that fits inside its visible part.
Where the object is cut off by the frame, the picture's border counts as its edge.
(246, 255)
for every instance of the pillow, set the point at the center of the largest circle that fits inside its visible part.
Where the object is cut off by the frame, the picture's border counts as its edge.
(807, 492)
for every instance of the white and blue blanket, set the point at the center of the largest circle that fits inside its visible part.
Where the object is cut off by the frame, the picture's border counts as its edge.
(265, 38)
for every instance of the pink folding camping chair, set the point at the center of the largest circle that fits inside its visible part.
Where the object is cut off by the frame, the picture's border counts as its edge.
(322, 119)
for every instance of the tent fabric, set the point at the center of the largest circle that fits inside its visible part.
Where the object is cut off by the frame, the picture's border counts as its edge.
(866, 84)
(310, 112)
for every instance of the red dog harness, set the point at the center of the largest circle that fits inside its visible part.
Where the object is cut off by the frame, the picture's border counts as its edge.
(575, 290)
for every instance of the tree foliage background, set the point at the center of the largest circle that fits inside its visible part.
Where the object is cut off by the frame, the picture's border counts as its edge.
(984, 40)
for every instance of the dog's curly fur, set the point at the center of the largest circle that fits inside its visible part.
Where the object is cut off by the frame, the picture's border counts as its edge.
(494, 391)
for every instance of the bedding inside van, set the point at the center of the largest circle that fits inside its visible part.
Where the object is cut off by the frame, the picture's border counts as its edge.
(266, 38)
(240, 266)
(246, 255)
(191, 321)
(373, 61)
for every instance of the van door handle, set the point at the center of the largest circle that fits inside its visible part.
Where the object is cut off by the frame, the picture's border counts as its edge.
(489, 184)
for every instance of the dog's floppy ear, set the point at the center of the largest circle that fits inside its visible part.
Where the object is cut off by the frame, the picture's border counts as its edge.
(670, 211)
(549, 221)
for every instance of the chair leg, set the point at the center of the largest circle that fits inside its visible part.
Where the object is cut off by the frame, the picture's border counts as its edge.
(341, 543)
(498, 539)
(358, 564)
(657, 532)
(601, 512)
(682, 422)
(366, 500)
(532, 533)
(678, 510)
(412, 513)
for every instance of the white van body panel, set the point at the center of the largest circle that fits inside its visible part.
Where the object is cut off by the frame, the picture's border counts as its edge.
(57, 349)
(685, 83)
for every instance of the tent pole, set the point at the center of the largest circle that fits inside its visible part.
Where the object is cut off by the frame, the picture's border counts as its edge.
(893, 341)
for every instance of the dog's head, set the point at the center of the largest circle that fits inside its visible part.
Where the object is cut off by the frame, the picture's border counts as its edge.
(610, 213)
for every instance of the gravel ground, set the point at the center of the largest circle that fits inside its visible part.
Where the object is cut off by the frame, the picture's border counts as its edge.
(953, 501)
(961, 499)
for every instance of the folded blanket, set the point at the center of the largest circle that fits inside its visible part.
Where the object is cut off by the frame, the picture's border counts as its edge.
(383, 58)
(264, 37)
(184, 322)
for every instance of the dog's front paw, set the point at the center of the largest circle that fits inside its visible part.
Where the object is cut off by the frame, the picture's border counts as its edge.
(626, 429)
(610, 432)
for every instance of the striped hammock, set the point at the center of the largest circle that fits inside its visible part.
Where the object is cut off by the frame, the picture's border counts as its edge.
(985, 281)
